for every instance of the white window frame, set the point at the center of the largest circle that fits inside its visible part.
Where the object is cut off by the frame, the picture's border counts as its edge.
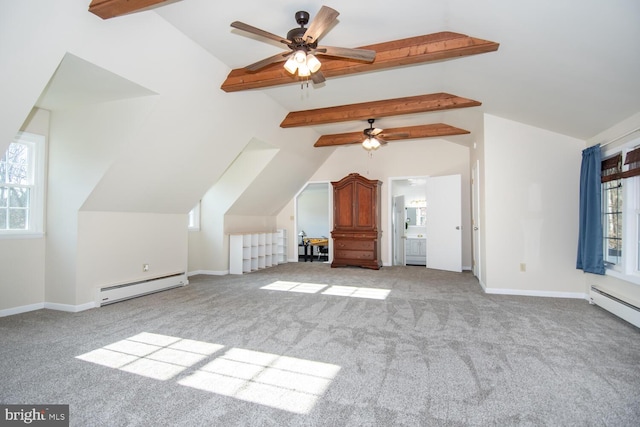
(194, 218)
(629, 268)
(36, 198)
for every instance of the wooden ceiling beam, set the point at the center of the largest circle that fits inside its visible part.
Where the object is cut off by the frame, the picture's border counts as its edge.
(377, 109)
(412, 132)
(106, 9)
(414, 50)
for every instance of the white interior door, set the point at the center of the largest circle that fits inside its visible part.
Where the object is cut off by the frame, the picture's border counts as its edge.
(398, 230)
(444, 223)
(475, 219)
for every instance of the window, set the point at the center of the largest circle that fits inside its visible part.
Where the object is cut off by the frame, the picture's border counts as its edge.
(612, 199)
(621, 212)
(21, 186)
(194, 218)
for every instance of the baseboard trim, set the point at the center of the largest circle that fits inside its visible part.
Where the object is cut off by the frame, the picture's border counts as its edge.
(47, 305)
(22, 309)
(68, 307)
(208, 272)
(533, 293)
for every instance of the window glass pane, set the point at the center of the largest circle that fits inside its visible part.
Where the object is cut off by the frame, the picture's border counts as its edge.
(18, 164)
(19, 197)
(17, 219)
(21, 172)
(3, 171)
(637, 241)
(612, 221)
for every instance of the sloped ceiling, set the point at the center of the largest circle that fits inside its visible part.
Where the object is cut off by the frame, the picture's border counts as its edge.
(75, 83)
(570, 67)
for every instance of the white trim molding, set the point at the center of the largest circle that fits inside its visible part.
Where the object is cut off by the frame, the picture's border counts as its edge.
(208, 272)
(69, 307)
(47, 305)
(533, 293)
(22, 309)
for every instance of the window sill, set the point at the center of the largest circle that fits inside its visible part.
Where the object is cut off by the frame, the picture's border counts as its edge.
(631, 278)
(21, 235)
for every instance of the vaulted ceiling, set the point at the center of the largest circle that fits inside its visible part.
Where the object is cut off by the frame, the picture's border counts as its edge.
(570, 67)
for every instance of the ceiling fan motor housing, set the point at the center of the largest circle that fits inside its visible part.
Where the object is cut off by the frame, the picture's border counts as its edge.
(296, 35)
(302, 18)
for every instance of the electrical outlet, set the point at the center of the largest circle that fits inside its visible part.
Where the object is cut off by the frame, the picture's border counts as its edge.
(145, 267)
(523, 267)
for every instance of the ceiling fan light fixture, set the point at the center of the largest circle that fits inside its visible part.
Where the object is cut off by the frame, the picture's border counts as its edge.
(370, 144)
(291, 65)
(300, 56)
(303, 70)
(313, 63)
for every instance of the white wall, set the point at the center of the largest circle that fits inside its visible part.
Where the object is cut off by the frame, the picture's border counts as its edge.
(22, 260)
(84, 143)
(210, 245)
(531, 182)
(425, 157)
(113, 246)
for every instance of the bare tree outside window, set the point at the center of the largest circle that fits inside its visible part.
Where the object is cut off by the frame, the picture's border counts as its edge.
(16, 183)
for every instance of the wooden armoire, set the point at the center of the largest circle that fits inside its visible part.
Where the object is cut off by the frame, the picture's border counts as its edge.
(356, 222)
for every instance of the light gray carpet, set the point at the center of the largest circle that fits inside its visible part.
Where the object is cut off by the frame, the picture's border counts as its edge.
(436, 351)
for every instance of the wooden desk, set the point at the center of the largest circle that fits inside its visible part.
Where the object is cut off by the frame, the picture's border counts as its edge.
(311, 242)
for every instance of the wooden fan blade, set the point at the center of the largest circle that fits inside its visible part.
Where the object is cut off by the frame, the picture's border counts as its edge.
(421, 131)
(257, 31)
(375, 132)
(394, 135)
(322, 21)
(317, 77)
(270, 60)
(345, 52)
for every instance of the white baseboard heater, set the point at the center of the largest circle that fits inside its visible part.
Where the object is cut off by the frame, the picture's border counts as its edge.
(116, 293)
(615, 305)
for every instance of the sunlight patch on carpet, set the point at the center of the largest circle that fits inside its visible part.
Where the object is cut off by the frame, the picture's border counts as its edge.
(282, 382)
(344, 291)
(156, 356)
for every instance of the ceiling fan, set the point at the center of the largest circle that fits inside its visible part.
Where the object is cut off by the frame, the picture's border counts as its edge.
(303, 46)
(373, 137)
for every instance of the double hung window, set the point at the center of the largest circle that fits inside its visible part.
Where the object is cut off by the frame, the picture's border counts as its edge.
(21, 186)
(621, 212)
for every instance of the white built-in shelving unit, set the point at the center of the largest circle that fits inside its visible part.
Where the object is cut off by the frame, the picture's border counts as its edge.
(254, 251)
(281, 245)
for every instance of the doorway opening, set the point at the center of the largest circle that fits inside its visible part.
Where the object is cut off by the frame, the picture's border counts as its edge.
(430, 232)
(408, 198)
(314, 222)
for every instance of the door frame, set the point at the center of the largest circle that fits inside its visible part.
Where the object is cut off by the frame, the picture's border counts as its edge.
(330, 216)
(398, 247)
(389, 239)
(476, 254)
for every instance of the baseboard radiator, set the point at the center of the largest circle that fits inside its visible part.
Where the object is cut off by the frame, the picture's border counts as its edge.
(111, 294)
(617, 306)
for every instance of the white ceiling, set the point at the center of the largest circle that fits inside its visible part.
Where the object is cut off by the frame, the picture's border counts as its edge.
(570, 66)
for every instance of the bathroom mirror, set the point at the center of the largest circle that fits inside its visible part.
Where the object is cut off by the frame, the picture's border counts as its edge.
(416, 216)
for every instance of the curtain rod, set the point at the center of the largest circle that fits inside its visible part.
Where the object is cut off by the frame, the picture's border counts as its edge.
(620, 137)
